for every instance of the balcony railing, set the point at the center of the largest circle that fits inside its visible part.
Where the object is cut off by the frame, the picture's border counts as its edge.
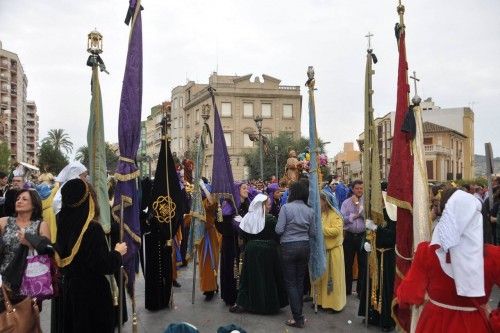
(293, 88)
(436, 149)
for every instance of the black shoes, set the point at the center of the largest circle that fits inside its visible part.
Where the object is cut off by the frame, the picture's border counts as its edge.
(176, 284)
(307, 299)
(209, 295)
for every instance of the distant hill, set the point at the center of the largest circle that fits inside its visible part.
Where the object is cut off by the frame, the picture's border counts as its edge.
(480, 165)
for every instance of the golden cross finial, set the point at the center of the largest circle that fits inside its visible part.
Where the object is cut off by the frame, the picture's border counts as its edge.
(401, 11)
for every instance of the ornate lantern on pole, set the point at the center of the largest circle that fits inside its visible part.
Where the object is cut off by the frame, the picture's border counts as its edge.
(94, 42)
(94, 47)
(205, 112)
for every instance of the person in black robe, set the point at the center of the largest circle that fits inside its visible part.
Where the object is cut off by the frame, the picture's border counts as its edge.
(115, 239)
(230, 249)
(386, 260)
(9, 206)
(158, 266)
(84, 259)
(146, 199)
(184, 227)
(157, 233)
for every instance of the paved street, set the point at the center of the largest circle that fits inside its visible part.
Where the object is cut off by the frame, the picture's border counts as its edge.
(208, 316)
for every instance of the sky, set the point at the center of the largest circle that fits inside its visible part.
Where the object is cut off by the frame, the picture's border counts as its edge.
(453, 45)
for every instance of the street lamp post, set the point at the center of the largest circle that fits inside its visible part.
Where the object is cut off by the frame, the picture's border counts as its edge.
(343, 170)
(276, 160)
(258, 123)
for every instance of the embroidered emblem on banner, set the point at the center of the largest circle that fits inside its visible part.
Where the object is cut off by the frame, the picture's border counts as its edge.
(164, 209)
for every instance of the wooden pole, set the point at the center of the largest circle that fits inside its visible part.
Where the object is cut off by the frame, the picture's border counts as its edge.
(195, 257)
(170, 242)
(120, 291)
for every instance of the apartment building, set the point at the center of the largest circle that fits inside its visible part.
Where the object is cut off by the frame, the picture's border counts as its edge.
(31, 133)
(18, 117)
(151, 130)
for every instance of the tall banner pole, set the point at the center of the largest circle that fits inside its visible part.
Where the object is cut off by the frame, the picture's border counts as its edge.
(197, 232)
(195, 255)
(489, 171)
(170, 242)
(372, 190)
(120, 291)
(317, 258)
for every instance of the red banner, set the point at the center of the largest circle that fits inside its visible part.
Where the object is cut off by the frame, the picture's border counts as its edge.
(400, 187)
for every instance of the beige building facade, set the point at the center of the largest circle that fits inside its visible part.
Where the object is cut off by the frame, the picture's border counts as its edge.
(239, 100)
(151, 130)
(347, 163)
(444, 152)
(448, 141)
(18, 117)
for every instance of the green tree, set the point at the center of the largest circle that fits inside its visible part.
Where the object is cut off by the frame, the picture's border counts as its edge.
(285, 143)
(4, 157)
(51, 159)
(82, 155)
(482, 181)
(59, 140)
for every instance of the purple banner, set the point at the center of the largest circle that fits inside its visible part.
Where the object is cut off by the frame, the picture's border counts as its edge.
(128, 139)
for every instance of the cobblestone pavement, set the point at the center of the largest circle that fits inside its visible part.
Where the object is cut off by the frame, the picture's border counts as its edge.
(208, 316)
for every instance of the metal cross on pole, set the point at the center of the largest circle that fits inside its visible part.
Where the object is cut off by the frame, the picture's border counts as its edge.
(369, 36)
(415, 80)
(416, 99)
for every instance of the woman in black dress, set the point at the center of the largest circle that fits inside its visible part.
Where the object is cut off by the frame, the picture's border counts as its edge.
(230, 251)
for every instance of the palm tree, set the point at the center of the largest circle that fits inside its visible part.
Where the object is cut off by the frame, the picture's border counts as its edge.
(59, 140)
(82, 155)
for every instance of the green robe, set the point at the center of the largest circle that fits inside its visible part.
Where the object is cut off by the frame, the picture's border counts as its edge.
(262, 288)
